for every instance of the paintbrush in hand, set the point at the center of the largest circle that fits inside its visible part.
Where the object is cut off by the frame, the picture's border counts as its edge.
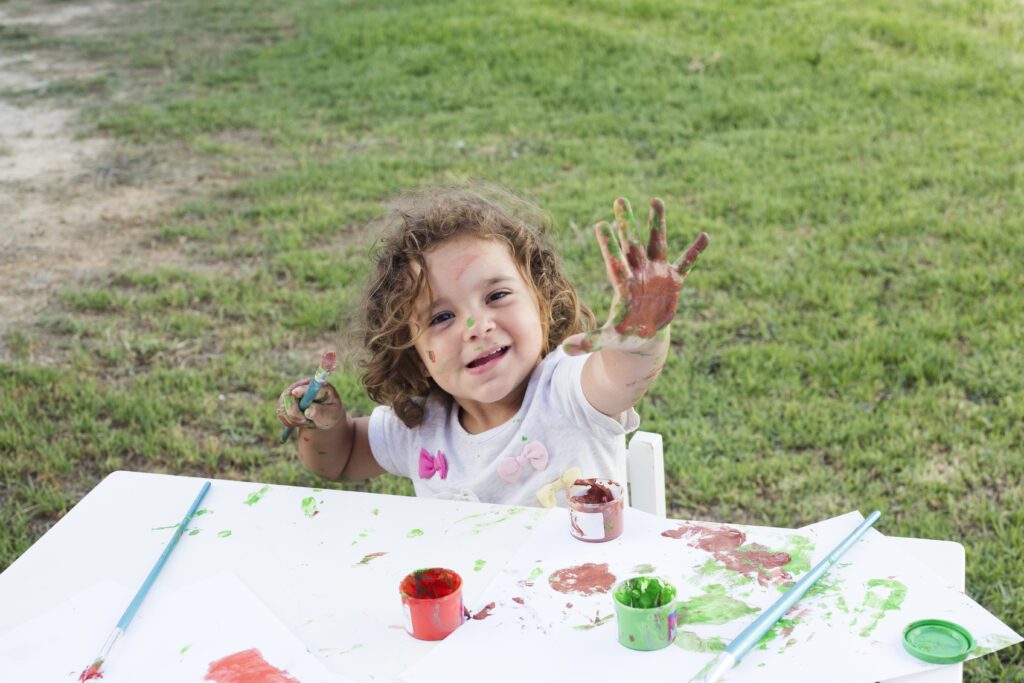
(94, 670)
(327, 365)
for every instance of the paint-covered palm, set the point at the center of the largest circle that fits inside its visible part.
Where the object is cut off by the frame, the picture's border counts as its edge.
(646, 285)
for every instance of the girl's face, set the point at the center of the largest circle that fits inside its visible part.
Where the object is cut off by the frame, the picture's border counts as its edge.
(480, 337)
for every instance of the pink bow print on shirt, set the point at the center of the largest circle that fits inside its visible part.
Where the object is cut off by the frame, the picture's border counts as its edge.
(430, 464)
(535, 454)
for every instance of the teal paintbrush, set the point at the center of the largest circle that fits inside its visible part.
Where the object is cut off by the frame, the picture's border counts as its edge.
(751, 634)
(94, 670)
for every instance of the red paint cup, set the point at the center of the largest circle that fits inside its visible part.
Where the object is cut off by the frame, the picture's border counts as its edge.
(595, 510)
(432, 602)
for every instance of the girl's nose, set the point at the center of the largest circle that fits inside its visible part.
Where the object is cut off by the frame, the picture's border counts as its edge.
(478, 327)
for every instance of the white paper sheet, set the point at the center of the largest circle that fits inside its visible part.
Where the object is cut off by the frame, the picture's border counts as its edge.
(176, 636)
(848, 629)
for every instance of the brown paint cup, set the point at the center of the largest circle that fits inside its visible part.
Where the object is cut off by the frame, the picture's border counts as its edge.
(595, 510)
(432, 602)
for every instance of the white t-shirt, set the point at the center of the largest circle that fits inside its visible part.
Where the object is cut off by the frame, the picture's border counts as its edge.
(506, 464)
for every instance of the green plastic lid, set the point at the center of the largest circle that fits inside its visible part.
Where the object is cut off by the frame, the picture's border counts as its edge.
(937, 641)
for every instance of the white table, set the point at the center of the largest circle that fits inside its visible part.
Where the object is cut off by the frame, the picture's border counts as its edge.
(310, 569)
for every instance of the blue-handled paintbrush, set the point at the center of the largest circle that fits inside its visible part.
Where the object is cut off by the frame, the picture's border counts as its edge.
(751, 634)
(122, 625)
(327, 365)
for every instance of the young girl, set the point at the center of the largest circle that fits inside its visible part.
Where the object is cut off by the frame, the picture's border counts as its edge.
(490, 384)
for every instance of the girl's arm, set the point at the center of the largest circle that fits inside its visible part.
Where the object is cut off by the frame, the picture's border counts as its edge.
(630, 350)
(331, 443)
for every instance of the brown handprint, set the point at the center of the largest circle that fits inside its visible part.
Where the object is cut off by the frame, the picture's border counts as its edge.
(646, 286)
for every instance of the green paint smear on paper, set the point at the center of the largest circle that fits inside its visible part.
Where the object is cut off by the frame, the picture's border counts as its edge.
(716, 570)
(781, 626)
(479, 565)
(990, 644)
(362, 534)
(184, 649)
(414, 533)
(594, 624)
(224, 534)
(497, 517)
(201, 512)
(309, 506)
(799, 550)
(691, 642)
(375, 511)
(535, 574)
(257, 496)
(897, 592)
(644, 569)
(714, 608)
(194, 532)
(161, 528)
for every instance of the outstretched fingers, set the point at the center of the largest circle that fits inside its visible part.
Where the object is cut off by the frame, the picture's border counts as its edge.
(614, 260)
(626, 226)
(686, 261)
(657, 245)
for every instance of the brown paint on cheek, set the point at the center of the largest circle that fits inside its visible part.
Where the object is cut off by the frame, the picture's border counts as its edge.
(431, 356)
(585, 579)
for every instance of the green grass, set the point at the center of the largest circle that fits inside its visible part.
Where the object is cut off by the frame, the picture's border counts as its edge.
(850, 340)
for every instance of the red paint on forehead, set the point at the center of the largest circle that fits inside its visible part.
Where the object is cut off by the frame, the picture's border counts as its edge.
(247, 666)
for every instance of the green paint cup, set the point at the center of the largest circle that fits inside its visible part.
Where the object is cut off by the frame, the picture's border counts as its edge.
(645, 609)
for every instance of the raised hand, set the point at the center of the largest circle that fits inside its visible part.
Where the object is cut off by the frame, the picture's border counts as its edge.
(646, 286)
(324, 412)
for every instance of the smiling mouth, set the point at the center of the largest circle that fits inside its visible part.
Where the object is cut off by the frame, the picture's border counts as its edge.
(496, 353)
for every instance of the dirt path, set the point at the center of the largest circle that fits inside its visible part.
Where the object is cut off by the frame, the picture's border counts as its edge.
(71, 204)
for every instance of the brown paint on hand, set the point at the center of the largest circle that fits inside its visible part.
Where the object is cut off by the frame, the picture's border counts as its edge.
(585, 579)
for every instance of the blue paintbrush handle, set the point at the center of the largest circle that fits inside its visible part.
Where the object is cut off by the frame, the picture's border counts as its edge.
(749, 637)
(133, 607)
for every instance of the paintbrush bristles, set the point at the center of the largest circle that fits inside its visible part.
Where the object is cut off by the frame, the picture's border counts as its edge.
(329, 363)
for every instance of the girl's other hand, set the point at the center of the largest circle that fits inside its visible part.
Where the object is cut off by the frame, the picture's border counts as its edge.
(646, 285)
(322, 413)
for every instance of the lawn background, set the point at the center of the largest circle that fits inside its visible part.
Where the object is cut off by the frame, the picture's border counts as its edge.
(851, 339)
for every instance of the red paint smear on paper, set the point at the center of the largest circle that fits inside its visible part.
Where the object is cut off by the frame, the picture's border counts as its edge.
(585, 579)
(518, 601)
(247, 666)
(757, 561)
(726, 545)
(92, 673)
(709, 539)
(485, 612)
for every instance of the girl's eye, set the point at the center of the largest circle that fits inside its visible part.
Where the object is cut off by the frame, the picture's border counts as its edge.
(498, 295)
(441, 318)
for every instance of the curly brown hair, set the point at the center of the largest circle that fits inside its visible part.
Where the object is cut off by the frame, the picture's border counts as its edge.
(416, 223)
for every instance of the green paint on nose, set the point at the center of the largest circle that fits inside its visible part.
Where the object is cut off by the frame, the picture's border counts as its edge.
(470, 322)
